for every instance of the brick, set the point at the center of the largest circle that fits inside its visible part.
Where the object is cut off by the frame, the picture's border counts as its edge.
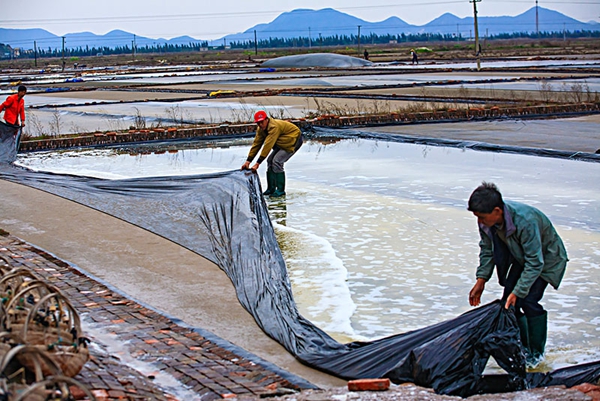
(100, 394)
(77, 393)
(586, 387)
(369, 385)
(594, 394)
(116, 394)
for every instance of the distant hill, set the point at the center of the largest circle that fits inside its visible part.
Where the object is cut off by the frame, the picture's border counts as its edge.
(549, 21)
(24, 38)
(331, 22)
(316, 23)
(312, 24)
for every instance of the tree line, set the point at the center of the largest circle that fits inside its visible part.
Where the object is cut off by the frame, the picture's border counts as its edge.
(374, 39)
(296, 42)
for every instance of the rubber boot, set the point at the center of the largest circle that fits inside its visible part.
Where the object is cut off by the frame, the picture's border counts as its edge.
(537, 328)
(271, 184)
(280, 184)
(524, 333)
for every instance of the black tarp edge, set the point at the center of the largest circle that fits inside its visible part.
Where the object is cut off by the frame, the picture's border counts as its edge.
(474, 145)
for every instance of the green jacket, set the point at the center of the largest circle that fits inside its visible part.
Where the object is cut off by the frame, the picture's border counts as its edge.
(532, 241)
(280, 133)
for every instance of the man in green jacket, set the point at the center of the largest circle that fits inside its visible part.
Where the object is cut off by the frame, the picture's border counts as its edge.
(528, 254)
(284, 139)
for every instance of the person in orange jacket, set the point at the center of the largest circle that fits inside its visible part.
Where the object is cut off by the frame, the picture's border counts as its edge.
(14, 107)
(279, 141)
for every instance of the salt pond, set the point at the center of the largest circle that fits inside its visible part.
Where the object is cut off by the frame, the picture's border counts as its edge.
(376, 234)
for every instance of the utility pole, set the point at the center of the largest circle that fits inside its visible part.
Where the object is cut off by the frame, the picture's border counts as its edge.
(255, 44)
(309, 42)
(359, 40)
(477, 52)
(537, 21)
(134, 46)
(35, 52)
(63, 54)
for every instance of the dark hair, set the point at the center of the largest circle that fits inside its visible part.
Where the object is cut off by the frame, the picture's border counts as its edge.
(485, 198)
(22, 88)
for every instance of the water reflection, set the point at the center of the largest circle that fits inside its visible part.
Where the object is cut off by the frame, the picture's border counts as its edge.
(377, 237)
(278, 210)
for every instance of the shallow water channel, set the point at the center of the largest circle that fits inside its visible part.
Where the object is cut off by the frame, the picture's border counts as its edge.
(377, 237)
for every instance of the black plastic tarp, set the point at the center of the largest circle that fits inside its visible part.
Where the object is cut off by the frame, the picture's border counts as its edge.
(224, 218)
(354, 132)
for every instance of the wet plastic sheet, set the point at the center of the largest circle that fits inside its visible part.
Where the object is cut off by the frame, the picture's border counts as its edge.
(9, 139)
(317, 60)
(224, 218)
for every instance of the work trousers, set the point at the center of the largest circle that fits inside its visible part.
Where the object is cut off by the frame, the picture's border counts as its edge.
(509, 271)
(278, 156)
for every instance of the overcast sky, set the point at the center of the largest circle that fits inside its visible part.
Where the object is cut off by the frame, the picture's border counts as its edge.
(210, 19)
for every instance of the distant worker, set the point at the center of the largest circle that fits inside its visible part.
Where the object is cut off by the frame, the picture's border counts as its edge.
(282, 139)
(366, 53)
(528, 254)
(14, 107)
(413, 55)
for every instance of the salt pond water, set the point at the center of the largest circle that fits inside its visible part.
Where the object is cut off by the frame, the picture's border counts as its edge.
(377, 237)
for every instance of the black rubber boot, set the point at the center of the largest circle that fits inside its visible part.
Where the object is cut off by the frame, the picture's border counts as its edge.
(537, 328)
(271, 184)
(280, 184)
(524, 331)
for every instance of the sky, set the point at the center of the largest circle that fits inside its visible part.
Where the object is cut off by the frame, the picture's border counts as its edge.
(210, 19)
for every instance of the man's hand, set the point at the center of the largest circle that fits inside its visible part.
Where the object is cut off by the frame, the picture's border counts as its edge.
(255, 167)
(510, 301)
(476, 291)
(246, 166)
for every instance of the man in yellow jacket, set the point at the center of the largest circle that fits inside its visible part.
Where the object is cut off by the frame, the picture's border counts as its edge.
(282, 139)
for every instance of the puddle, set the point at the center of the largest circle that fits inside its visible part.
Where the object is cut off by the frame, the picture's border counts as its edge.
(112, 345)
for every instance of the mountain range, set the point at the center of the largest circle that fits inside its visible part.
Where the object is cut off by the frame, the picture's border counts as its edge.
(313, 24)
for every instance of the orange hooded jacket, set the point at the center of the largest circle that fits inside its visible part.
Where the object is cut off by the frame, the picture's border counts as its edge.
(14, 107)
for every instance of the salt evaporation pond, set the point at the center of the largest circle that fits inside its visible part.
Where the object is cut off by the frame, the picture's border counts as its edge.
(377, 237)
(117, 116)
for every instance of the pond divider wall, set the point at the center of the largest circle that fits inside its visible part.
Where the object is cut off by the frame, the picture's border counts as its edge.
(331, 121)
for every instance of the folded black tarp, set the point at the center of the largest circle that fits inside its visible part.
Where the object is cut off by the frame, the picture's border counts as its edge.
(224, 218)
